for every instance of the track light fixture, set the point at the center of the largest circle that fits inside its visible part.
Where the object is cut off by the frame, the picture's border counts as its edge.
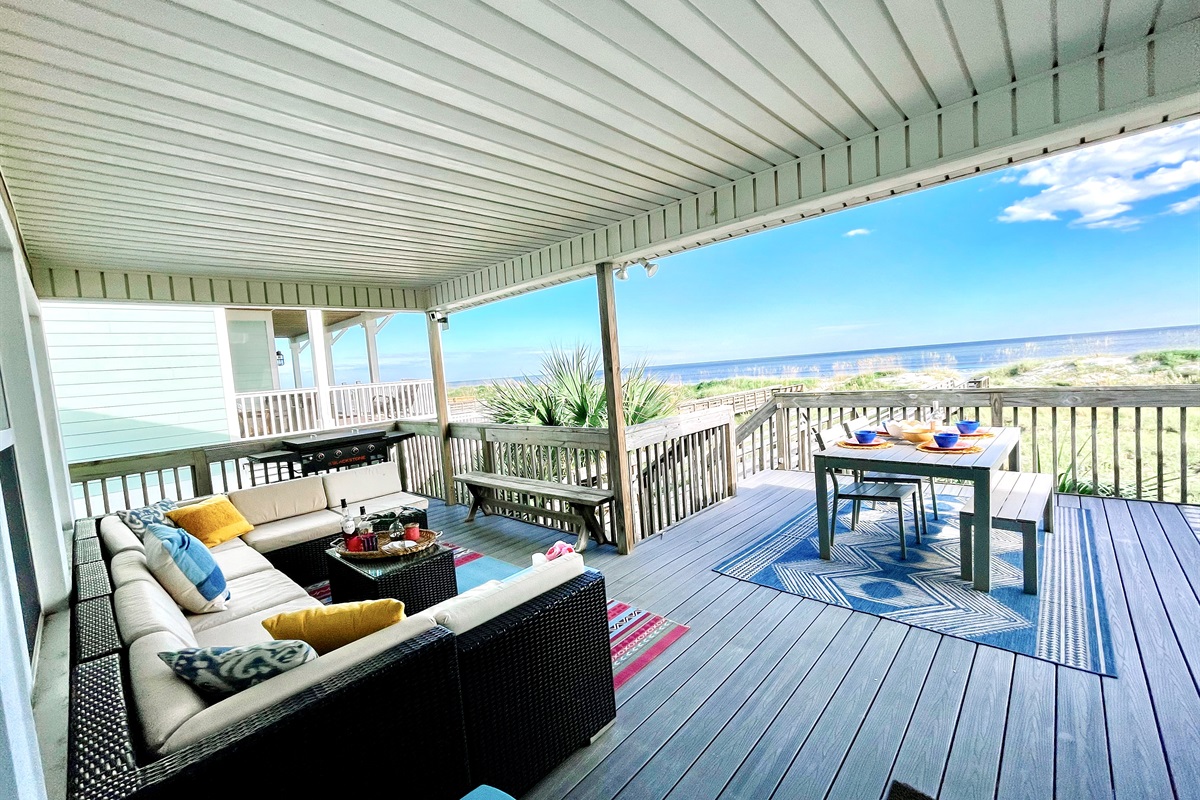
(622, 273)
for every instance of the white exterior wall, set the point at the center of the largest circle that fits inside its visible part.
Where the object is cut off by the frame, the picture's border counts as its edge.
(135, 379)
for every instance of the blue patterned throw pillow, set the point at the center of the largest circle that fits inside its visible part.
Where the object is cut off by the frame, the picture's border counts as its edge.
(228, 670)
(138, 518)
(185, 568)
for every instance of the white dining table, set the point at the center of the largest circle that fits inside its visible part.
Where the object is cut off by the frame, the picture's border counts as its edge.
(904, 458)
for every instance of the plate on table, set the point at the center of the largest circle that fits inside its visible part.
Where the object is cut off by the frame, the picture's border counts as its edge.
(959, 447)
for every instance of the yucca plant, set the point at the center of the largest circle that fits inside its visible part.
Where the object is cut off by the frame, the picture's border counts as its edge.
(569, 391)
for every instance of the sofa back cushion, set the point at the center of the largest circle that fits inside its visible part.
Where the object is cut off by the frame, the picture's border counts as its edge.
(275, 501)
(117, 536)
(476, 606)
(361, 483)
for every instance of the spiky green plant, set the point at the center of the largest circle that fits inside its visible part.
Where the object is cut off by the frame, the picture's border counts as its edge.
(569, 391)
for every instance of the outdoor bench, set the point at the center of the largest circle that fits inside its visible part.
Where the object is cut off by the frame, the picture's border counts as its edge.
(582, 500)
(1019, 500)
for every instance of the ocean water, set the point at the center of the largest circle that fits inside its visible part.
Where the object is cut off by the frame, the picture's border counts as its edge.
(965, 357)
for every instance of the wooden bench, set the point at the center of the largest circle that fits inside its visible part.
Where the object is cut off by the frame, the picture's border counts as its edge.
(1019, 499)
(582, 500)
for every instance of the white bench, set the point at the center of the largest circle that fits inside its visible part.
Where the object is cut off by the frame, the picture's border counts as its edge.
(582, 500)
(1019, 500)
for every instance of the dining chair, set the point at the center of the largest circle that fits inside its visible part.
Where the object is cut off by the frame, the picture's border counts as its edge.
(873, 491)
(858, 424)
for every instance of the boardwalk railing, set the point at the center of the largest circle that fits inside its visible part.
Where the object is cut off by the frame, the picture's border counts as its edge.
(740, 402)
(1127, 441)
(287, 411)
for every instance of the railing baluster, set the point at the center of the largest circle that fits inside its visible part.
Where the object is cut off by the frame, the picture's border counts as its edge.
(1074, 452)
(1183, 465)
(1095, 454)
(1137, 448)
(1159, 436)
(1116, 444)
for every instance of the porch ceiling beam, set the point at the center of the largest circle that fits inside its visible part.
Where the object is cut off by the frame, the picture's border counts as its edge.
(1149, 82)
(118, 285)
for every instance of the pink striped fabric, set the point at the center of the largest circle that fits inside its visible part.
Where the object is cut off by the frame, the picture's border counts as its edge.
(637, 637)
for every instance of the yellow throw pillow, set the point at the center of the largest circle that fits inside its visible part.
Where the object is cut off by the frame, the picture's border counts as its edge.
(329, 627)
(212, 521)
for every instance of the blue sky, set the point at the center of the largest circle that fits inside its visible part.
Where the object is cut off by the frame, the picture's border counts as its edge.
(1103, 238)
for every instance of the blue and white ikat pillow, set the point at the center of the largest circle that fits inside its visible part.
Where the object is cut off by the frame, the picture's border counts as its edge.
(137, 519)
(224, 671)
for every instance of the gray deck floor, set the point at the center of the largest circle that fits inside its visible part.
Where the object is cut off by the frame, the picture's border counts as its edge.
(773, 695)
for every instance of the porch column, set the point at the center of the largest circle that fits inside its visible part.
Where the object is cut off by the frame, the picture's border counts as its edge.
(30, 418)
(297, 376)
(441, 402)
(320, 361)
(618, 455)
(370, 328)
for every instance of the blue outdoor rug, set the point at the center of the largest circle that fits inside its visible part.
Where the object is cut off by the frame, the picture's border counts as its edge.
(1066, 622)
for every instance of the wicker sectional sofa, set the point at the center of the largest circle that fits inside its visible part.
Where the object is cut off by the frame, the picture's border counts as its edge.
(295, 521)
(497, 685)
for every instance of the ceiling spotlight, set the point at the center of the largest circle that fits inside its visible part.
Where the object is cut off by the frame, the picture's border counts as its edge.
(622, 273)
(650, 268)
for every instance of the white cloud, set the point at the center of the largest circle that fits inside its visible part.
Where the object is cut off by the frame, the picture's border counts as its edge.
(857, 232)
(1184, 206)
(1099, 185)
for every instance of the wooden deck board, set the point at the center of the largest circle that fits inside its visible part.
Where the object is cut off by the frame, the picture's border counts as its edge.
(774, 694)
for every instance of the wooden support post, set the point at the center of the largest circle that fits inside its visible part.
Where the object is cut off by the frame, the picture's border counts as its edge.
(297, 376)
(202, 474)
(997, 403)
(618, 455)
(731, 454)
(369, 328)
(320, 363)
(783, 444)
(441, 402)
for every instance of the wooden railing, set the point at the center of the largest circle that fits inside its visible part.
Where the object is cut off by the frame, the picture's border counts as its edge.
(288, 411)
(678, 466)
(1130, 441)
(381, 402)
(275, 413)
(740, 402)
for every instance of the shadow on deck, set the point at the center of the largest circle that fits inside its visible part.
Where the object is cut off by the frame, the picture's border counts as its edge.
(773, 695)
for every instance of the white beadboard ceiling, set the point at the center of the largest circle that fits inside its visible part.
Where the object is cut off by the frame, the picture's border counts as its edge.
(408, 144)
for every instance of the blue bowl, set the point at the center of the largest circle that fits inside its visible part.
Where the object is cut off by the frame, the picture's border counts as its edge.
(865, 437)
(967, 425)
(946, 439)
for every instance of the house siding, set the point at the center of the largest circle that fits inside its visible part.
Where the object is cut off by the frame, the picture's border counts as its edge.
(135, 379)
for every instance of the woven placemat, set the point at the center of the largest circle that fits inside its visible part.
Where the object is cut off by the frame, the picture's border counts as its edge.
(977, 435)
(856, 446)
(933, 448)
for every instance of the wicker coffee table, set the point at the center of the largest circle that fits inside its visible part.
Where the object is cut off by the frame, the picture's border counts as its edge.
(420, 581)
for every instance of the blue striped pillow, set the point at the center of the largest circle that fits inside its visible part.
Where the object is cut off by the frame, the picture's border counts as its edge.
(185, 568)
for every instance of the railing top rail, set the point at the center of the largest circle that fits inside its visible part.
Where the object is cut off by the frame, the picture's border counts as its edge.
(276, 392)
(757, 419)
(781, 387)
(662, 430)
(406, 382)
(1086, 396)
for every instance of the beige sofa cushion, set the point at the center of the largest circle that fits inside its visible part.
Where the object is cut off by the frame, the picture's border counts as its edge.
(476, 606)
(279, 500)
(250, 594)
(293, 530)
(388, 502)
(227, 712)
(143, 607)
(361, 483)
(238, 559)
(129, 565)
(249, 629)
(117, 537)
(164, 700)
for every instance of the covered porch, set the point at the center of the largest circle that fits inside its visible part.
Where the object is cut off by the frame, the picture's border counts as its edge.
(774, 695)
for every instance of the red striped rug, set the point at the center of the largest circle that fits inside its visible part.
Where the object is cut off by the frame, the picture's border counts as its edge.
(636, 638)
